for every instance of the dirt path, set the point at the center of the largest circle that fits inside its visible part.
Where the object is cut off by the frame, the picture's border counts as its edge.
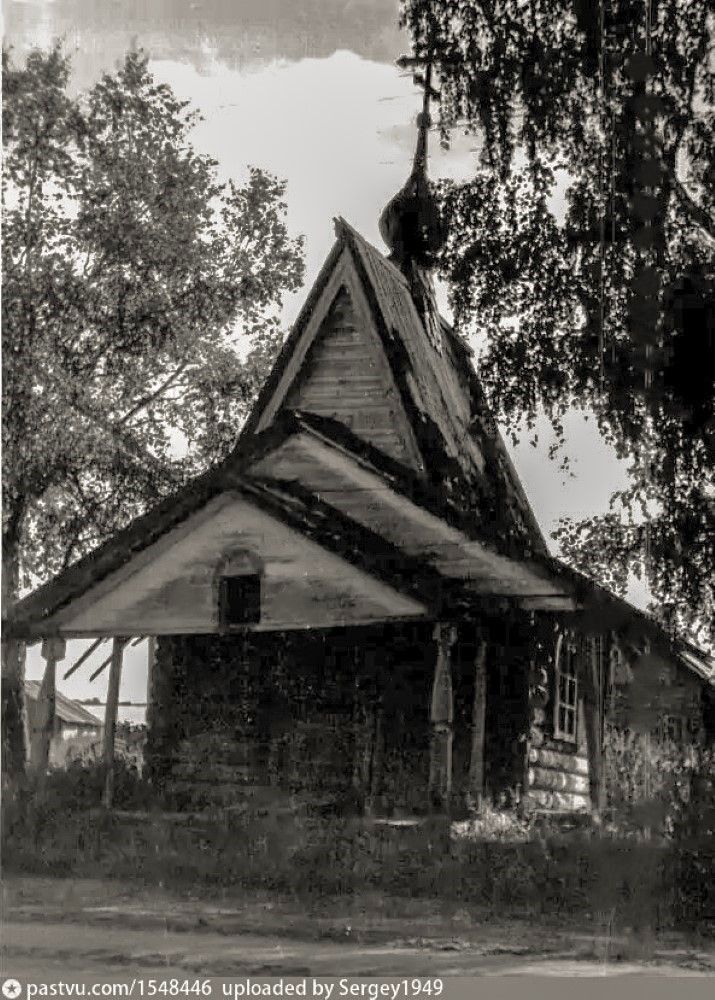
(43, 949)
(61, 928)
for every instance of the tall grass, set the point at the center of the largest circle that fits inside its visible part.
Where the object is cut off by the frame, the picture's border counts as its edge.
(507, 865)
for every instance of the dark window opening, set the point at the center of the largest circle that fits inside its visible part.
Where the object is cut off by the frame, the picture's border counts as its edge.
(239, 600)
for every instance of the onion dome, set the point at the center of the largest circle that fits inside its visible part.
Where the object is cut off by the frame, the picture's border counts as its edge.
(411, 224)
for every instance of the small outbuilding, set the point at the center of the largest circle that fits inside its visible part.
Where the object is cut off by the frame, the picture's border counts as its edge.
(71, 721)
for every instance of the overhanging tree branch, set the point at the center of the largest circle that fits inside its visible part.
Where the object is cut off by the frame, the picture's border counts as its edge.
(126, 444)
(696, 212)
(147, 400)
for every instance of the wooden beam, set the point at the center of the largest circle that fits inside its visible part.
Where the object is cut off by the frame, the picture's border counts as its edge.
(105, 663)
(476, 760)
(150, 664)
(84, 657)
(441, 720)
(102, 666)
(548, 602)
(592, 719)
(110, 718)
(53, 650)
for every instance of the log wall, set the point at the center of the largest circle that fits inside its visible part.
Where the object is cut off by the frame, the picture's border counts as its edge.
(637, 699)
(557, 773)
(338, 716)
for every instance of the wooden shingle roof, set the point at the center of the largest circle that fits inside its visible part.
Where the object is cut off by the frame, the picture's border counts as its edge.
(347, 538)
(460, 448)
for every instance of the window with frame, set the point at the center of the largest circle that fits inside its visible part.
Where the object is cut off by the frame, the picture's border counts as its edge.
(673, 728)
(566, 691)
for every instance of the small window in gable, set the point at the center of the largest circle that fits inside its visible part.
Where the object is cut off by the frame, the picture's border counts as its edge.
(239, 600)
(566, 692)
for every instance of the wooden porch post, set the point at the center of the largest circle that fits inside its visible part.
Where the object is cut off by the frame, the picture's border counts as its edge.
(592, 719)
(441, 719)
(53, 650)
(110, 718)
(377, 761)
(476, 761)
(150, 664)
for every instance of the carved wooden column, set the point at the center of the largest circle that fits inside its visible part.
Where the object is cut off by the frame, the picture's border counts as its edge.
(53, 650)
(441, 719)
(479, 705)
(110, 718)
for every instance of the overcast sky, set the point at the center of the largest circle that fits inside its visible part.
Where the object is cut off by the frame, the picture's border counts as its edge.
(307, 89)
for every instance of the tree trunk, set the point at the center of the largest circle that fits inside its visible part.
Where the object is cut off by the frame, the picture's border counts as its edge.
(150, 668)
(14, 713)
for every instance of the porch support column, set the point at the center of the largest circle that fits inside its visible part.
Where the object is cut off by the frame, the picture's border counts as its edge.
(592, 718)
(377, 762)
(150, 666)
(53, 650)
(110, 719)
(441, 719)
(476, 761)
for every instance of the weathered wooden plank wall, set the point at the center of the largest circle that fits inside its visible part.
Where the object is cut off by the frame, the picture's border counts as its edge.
(346, 376)
(172, 587)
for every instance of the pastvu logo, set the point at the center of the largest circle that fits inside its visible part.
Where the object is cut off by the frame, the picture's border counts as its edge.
(11, 989)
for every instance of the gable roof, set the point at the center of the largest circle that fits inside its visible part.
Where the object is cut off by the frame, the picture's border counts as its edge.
(342, 535)
(66, 710)
(341, 371)
(466, 476)
(74, 581)
(459, 446)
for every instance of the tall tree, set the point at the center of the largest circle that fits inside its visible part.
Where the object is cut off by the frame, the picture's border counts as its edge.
(130, 277)
(582, 249)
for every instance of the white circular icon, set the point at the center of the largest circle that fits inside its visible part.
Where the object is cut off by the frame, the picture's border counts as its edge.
(11, 989)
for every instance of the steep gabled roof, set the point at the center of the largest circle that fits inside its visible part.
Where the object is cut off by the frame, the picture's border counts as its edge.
(459, 448)
(460, 471)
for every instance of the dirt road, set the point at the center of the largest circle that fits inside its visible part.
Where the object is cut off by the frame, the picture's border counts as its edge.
(46, 949)
(68, 929)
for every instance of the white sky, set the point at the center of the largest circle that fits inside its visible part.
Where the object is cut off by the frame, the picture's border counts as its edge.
(340, 129)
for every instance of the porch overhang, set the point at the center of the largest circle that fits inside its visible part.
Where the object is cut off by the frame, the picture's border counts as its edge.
(169, 586)
(341, 542)
(418, 525)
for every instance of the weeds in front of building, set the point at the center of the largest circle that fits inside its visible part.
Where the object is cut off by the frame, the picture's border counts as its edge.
(650, 866)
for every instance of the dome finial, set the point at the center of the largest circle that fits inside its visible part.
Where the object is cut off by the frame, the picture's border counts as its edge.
(411, 224)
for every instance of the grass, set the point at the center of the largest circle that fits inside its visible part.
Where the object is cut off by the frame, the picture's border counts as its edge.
(648, 886)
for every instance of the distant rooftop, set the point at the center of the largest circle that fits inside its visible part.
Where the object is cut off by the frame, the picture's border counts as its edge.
(66, 710)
